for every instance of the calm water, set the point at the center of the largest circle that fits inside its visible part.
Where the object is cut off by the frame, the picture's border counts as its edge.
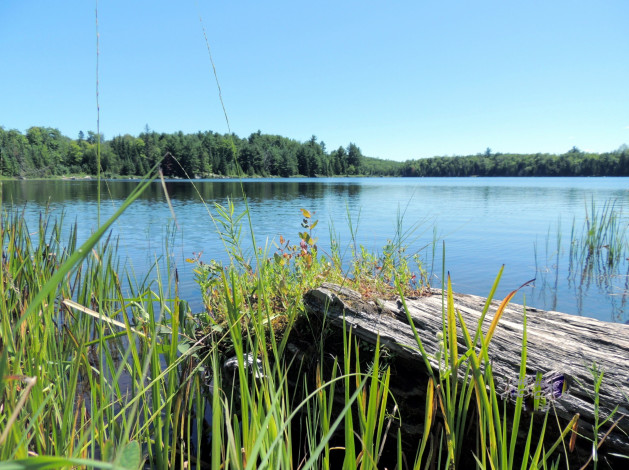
(484, 222)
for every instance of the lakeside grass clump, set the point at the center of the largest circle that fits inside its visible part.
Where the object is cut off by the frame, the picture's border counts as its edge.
(100, 371)
(90, 373)
(597, 255)
(602, 245)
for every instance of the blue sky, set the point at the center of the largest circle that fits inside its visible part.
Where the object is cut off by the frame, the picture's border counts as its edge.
(401, 79)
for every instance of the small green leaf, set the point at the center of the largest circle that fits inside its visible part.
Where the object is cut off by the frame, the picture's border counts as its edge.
(130, 457)
(183, 347)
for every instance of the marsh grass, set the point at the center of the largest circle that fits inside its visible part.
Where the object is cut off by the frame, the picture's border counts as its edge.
(596, 256)
(601, 245)
(255, 300)
(103, 375)
(90, 371)
(99, 370)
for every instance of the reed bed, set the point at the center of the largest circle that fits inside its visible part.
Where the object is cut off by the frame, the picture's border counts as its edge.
(91, 373)
(100, 371)
(595, 255)
(601, 246)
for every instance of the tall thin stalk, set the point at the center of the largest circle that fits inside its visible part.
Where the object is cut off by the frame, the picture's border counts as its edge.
(97, 117)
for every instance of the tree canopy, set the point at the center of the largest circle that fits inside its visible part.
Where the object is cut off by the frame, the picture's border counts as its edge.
(572, 163)
(44, 151)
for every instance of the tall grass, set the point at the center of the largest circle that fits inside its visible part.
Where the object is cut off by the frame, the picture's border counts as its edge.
(100, 371)
(90, 370)
(302, 267)
(601, 245)
(596, 255)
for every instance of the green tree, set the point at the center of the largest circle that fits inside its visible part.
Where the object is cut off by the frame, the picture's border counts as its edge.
(354, 159)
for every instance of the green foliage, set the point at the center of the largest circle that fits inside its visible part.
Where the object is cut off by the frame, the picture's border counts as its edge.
(92, 373)
(571, 163)
(462, 376)
(101, 375)
(44, 152)
(597, 250)
(602, 244)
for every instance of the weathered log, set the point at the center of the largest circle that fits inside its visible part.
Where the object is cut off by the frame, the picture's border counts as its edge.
(557, 343)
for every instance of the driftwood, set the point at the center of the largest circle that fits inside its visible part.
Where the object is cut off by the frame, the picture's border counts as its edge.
(557, 343)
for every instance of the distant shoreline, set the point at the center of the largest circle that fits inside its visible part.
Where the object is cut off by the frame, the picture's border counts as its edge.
(254, 178)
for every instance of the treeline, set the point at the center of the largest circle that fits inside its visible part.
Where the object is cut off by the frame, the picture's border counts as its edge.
(44, 151)
(572, 163)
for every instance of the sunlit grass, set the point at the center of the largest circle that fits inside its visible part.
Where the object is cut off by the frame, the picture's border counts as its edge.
(600, 245)
(594, 254)
(100, 371)
(90, 369)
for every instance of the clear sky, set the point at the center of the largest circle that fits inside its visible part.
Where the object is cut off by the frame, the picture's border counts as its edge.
(401, 79)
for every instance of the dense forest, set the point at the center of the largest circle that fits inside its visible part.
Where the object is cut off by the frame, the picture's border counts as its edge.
(45, 152)
(572, 163)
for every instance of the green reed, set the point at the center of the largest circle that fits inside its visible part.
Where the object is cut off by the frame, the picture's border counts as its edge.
(91, 372)
(596, 255)
(98, 370)
(601, 244)
(250, 313)
(250, 304)
(467, 375)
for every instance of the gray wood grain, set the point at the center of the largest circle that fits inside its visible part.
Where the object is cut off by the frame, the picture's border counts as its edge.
(567, 344)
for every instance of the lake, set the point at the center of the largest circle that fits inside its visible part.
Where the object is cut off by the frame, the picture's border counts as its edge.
(484, 223)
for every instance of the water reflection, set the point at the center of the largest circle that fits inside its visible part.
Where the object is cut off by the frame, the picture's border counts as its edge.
(486, 222)
(60, 191)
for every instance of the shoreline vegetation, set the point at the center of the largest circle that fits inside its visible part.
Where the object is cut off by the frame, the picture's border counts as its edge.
(43, 152)
(101, 370)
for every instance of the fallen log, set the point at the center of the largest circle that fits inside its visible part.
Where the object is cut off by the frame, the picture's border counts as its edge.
(559, 345)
